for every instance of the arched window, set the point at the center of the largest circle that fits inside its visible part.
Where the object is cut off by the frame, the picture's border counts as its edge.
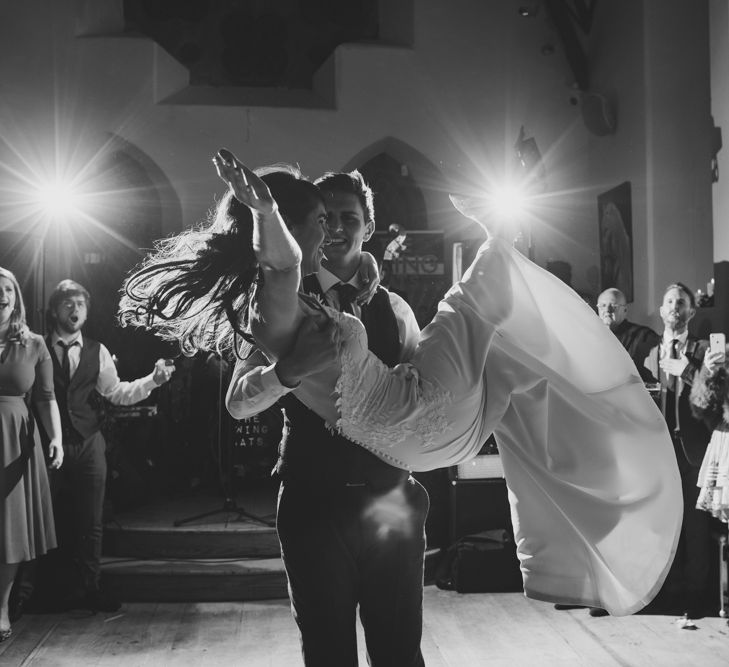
(130, 221)
(409, 198)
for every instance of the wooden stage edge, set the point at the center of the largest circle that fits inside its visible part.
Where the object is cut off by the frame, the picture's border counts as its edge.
(459, 631)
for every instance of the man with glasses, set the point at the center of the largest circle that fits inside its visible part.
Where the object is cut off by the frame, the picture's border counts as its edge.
(637, 339)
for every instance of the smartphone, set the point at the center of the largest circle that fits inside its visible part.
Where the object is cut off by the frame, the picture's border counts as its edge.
(717, 343)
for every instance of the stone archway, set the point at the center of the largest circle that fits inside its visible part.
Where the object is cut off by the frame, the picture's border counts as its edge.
(408, 187)
(138, 205)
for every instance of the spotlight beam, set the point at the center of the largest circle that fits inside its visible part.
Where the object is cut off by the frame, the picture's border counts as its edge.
(57, 200)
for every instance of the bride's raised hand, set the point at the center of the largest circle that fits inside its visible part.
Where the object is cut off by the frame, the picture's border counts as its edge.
(247, 187)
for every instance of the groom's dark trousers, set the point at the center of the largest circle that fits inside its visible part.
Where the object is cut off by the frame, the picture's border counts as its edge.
(352, 533)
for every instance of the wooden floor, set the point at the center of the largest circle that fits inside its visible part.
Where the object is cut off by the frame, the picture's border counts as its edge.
(459, 631)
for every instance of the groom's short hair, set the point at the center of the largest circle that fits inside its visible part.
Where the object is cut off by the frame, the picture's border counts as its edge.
(353, 183)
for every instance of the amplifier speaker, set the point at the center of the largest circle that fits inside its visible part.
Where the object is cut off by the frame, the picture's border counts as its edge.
(478, 496)
(478, 505)
(483, 466)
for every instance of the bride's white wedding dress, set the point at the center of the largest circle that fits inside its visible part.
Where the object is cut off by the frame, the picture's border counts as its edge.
(594, 488)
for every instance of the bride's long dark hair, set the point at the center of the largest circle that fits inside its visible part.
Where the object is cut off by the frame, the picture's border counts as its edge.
(197, 287)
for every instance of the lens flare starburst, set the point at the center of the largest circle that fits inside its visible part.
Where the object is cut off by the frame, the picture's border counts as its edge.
(58, 200)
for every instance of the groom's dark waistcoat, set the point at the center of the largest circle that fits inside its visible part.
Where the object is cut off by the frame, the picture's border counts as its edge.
(310, 453)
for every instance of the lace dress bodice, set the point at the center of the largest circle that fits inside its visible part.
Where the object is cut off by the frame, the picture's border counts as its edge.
(415, 409)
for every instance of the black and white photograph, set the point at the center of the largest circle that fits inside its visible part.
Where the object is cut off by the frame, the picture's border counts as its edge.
(364, 332)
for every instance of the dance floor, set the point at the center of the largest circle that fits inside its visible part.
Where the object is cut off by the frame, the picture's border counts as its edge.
(459, 631)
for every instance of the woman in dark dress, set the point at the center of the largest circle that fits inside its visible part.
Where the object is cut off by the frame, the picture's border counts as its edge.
(26, 516)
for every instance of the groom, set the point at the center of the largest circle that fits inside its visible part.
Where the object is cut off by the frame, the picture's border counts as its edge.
(351, 527)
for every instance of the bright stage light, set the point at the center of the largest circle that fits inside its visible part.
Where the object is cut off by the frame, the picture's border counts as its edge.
(508, 202)
(58, 200)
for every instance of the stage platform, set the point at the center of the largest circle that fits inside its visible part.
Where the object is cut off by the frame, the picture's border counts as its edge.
(195, 547)
(158, 551)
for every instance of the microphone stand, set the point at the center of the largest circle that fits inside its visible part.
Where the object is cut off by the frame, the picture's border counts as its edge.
(230, 505)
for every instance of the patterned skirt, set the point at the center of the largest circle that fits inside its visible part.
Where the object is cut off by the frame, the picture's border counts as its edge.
(714, 477)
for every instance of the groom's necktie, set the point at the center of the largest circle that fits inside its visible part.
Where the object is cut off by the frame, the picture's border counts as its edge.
(311, 285)
(347, 294)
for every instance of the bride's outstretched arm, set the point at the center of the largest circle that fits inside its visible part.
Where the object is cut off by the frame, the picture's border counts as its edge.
(274, 315)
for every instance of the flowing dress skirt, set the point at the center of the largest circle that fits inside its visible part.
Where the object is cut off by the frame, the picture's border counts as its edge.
(593, 482)
(26, 518)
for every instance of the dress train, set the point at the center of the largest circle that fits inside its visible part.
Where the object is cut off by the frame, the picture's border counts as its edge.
(593, 483)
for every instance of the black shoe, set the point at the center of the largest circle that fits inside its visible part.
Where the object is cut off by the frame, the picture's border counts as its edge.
(693, 606)
(693, 613)
(99, 600)
(565, 607)
(16, 608)
(95, 600)
(596, 612)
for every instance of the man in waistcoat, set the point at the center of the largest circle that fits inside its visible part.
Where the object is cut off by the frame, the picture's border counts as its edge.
(83, 372)
(351, 527)
(674, 362)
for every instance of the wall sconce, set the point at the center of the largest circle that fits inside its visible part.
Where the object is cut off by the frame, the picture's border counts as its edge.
(716, 144)
(527, 152)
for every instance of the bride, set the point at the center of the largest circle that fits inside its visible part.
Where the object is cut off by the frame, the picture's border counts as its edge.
(593, 483)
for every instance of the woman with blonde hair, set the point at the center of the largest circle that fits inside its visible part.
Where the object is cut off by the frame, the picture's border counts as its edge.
(26, 515)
